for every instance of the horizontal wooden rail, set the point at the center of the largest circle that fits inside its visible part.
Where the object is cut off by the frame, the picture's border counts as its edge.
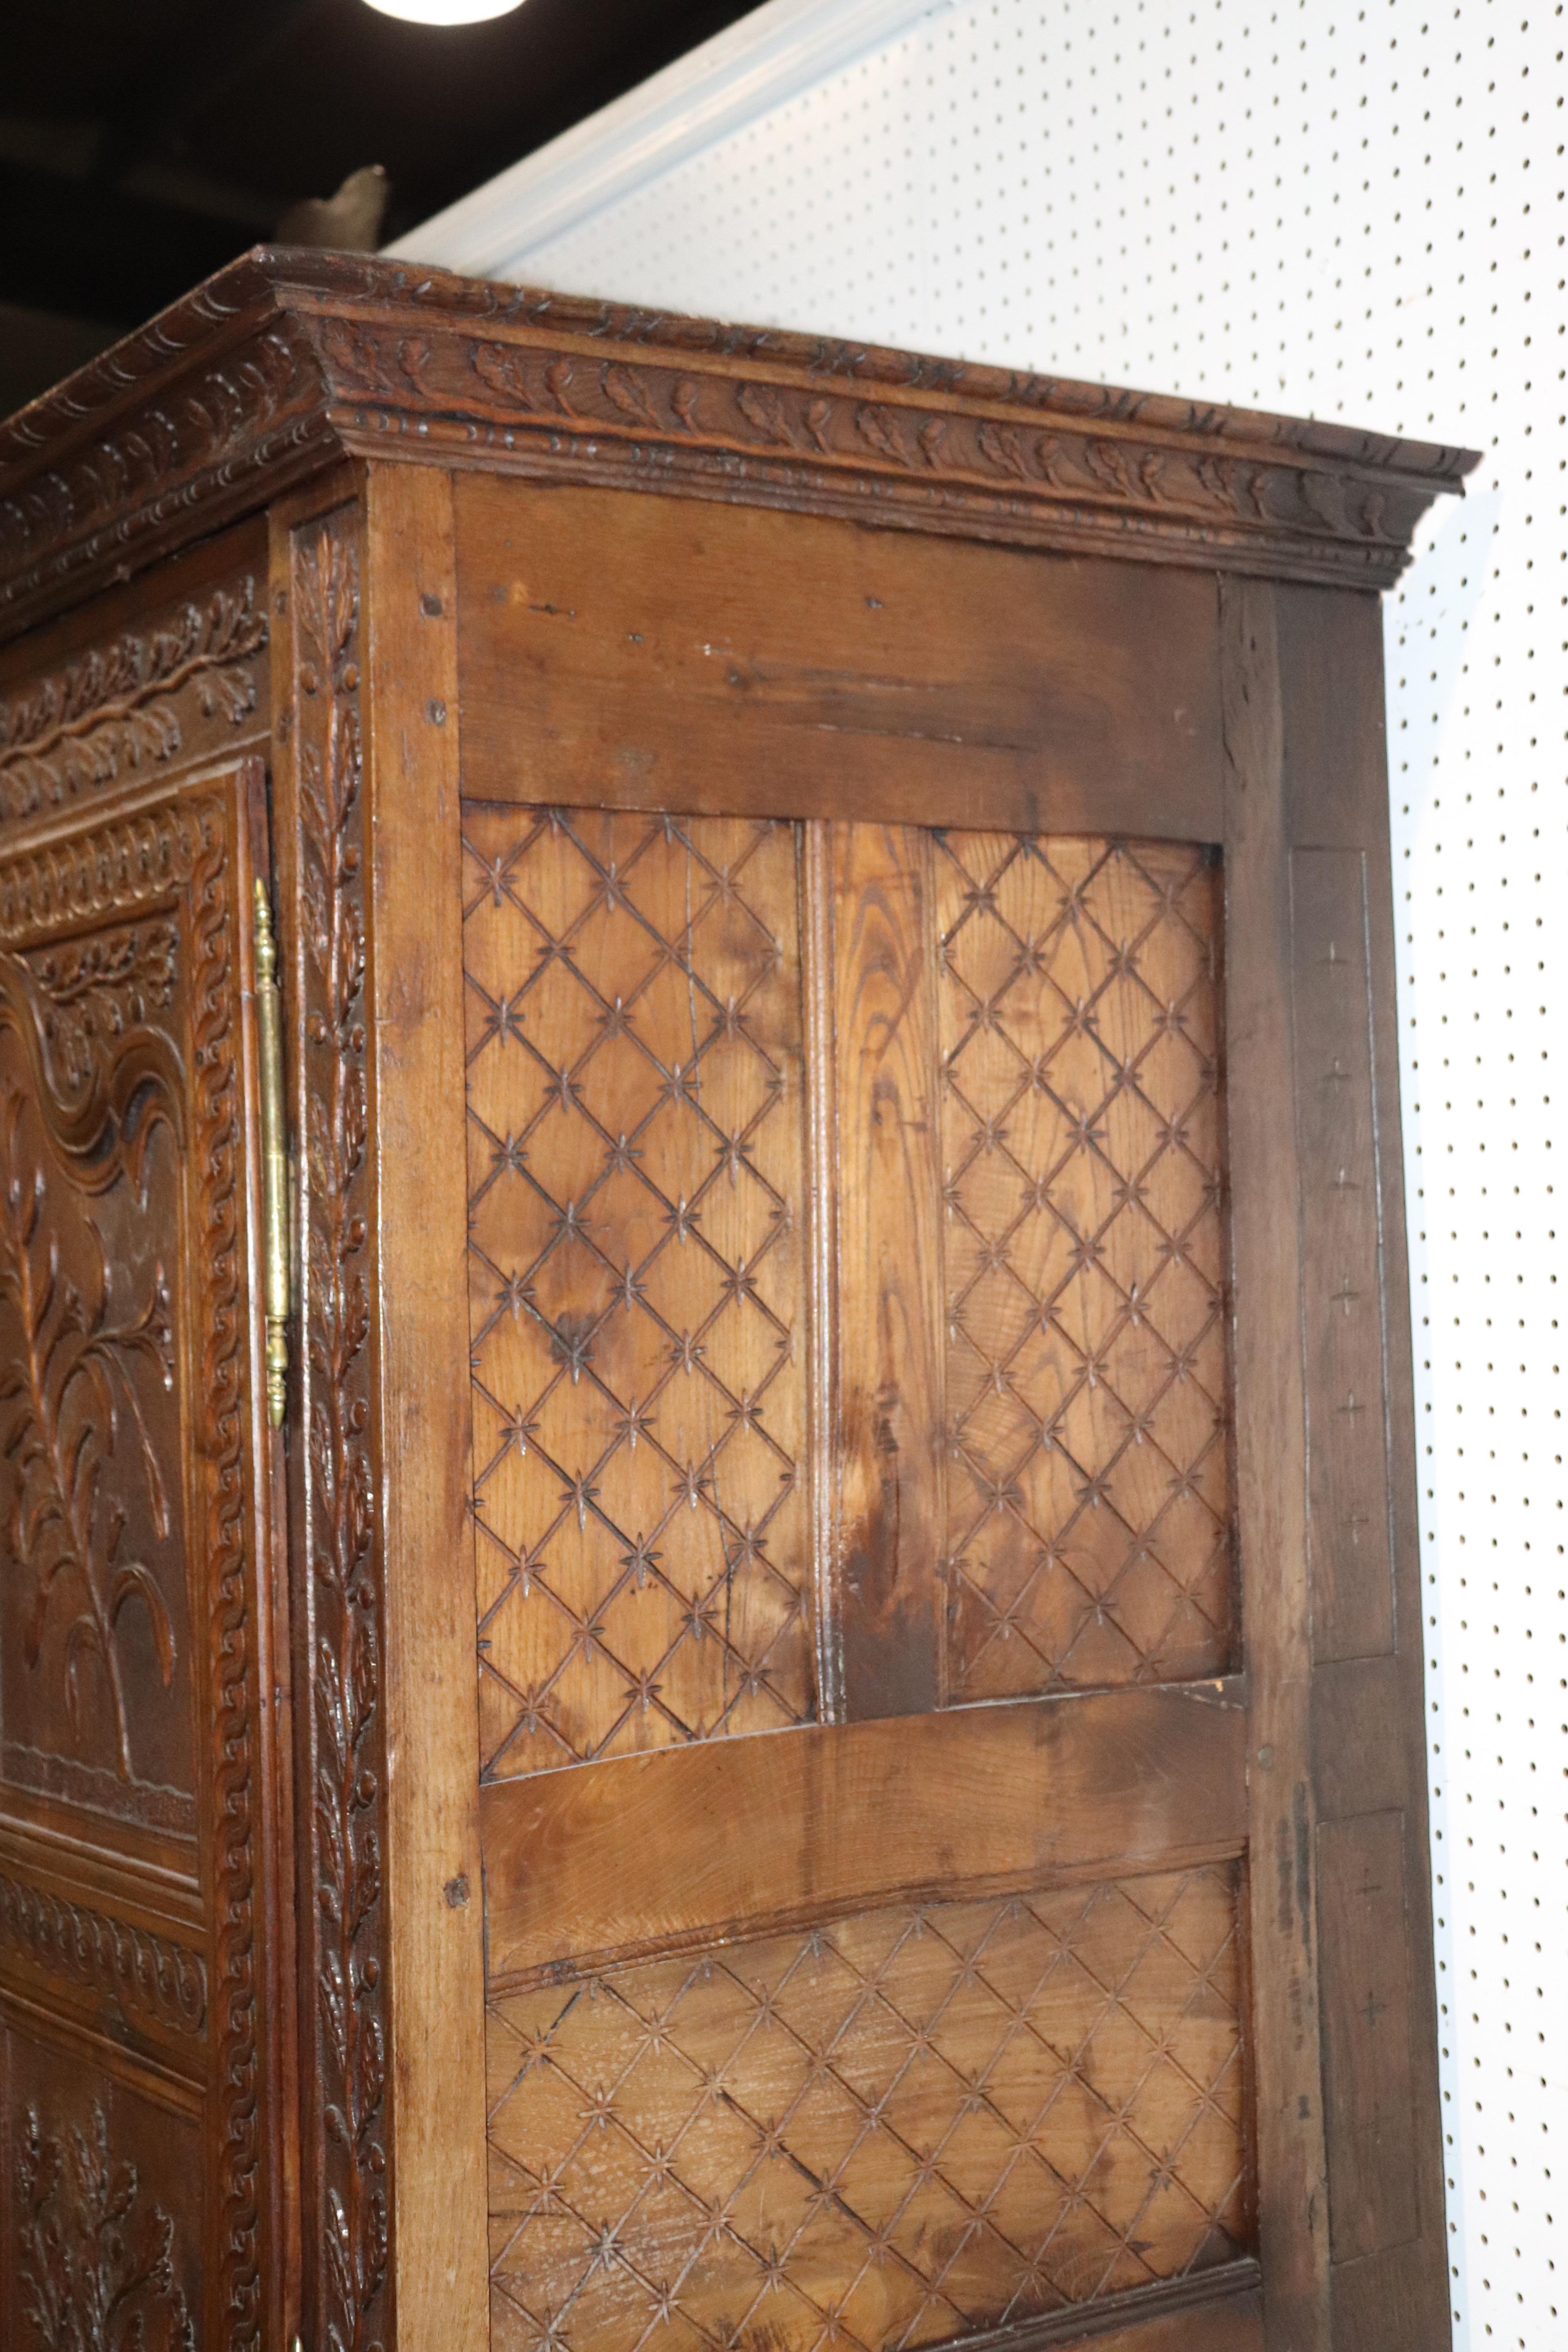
(690, 1846)
(1220, 2310)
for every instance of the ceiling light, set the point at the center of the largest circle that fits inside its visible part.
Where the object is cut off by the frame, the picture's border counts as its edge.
(444, 12)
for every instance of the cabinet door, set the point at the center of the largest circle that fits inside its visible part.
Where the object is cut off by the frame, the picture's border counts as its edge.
(135, 1763)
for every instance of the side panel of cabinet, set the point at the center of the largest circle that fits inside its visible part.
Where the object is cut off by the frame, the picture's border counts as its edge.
(143, 2015)
(1387, 2237)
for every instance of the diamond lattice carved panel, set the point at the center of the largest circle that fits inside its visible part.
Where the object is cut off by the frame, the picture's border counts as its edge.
(905, 2127)
(635, 1179)
(1088, 1489)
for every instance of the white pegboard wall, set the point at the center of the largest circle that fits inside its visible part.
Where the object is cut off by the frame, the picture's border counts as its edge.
(1359, 213)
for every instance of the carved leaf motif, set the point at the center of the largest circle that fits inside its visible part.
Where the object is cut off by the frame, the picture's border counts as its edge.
(1000, 446)
(347, 1795)
(113, 711)
(71, 1391)
(558, 376)
(414, 353)
(353, 353)
(1107, 466)
(626, 391)
(96, 990)
(878, 428)
(761, 407)
(932, 440)
(502, 369)
(97, 2274)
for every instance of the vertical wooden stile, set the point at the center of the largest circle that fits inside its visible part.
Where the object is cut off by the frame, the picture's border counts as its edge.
(414, 986)
(890, 1267)
(1382, 2122)
(821, 1144)
(1270, 1455)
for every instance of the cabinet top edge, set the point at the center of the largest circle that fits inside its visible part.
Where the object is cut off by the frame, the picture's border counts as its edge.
(288, 360)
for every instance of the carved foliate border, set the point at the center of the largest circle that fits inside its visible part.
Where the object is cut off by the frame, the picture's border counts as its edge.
(210, 441)
(883, 453)
(187, 847)
(285, 360)
(345, 2008)
(116, 711)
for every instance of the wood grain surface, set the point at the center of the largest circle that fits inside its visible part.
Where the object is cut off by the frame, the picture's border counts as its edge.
(1342, 1303)
(636, 1198)
(690, 1844)
(891, 1408)
(659, 656)
(1393, 2299)
(1087, 1385)
(415, 989)
(843, 1297)
(1271, 1478)
(906, 2125)
(1374, 2190)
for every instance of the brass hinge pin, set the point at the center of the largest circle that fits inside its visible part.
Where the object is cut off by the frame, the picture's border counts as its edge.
(274, 1159)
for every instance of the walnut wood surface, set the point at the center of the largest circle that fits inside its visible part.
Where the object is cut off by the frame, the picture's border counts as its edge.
(1270, 1459)
(613, 635)
(888, 1439)
(906, 2125)
(336, 1532)
(140, 1788)
(284, 362)
(685, 1847)
(636, 1163)
(1373, 2195)
(1341, 1309)
(432, 1852)
(1377, 2092)
(1087, 1388)
(909, 1049)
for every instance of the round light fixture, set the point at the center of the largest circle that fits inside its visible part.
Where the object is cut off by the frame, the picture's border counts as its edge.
(444, 12)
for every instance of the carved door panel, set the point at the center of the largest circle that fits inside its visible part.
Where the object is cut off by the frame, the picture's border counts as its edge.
(135, 1830)
(863, 1798)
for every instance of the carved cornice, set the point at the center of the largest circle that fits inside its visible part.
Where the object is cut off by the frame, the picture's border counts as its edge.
(285, 359)
(80, 729)
(147, 1975)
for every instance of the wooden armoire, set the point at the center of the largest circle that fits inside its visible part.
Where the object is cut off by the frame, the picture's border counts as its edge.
(710, 1637)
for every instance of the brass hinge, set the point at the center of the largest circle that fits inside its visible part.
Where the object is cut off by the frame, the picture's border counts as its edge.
(274, 1159)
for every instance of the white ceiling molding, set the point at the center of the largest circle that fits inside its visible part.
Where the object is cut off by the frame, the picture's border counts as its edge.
(746, 71)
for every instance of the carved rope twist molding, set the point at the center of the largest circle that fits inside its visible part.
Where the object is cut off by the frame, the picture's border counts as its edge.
(217, 1141)
(142, 1971)
(115, 711)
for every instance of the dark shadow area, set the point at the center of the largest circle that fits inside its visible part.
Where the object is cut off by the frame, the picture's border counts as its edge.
(141, 148)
